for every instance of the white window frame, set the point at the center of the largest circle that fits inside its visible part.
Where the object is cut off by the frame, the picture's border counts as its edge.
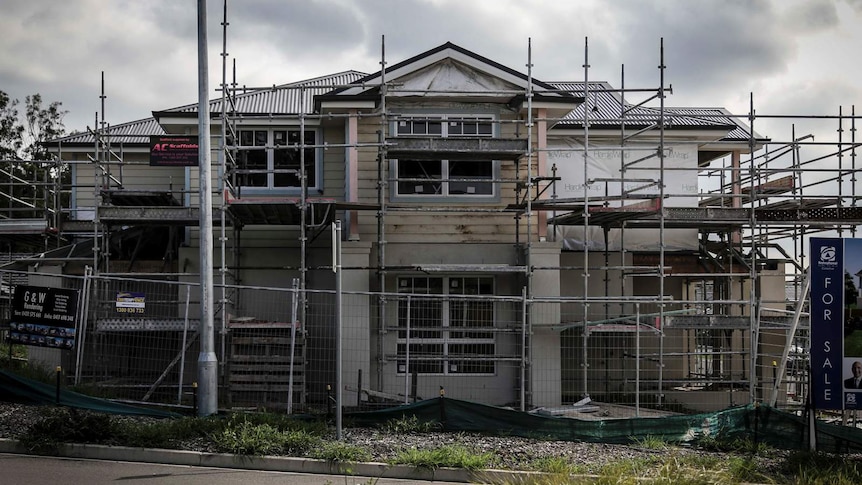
(450, 335)
(316, 166)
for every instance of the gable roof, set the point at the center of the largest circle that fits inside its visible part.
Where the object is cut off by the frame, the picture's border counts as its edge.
(437, 70)
(456, 57)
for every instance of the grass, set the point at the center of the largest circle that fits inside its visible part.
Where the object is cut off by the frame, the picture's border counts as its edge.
(410, 424)
(338, 452)
(650, 442)
(453, 456)
(556, 465)
(252, 434)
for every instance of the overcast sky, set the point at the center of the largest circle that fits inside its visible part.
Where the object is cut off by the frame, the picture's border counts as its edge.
(795, 56)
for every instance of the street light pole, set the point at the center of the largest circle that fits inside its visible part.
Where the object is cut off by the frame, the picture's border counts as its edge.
(207, 362)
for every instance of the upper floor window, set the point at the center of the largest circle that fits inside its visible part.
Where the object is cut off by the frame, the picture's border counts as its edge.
(272, 158)
(446, 126)
(444, 177)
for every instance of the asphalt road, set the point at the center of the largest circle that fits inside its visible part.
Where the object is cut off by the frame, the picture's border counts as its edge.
(39, 470)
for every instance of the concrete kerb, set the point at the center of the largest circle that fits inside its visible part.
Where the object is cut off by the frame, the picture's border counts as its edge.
(276, 463)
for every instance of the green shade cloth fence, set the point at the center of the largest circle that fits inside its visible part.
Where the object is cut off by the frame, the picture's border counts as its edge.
(14, 388)
(755, 423)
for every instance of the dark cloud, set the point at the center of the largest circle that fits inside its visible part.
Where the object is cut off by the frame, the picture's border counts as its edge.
(856, 4)
(708, 44)
(812, 16)
(715, 51)
(304, 29)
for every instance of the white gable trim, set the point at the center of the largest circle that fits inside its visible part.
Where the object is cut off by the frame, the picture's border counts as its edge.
(432, 59)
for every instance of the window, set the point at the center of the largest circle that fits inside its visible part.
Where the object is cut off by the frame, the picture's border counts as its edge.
(447, 335)
(442, 178)
(426, 177)
(272, 159)
(446, 126)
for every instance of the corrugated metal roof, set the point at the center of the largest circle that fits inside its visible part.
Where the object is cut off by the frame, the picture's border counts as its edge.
(125, 133)
(604, 107)
(721, 115)
(282, 99)
(292, 98)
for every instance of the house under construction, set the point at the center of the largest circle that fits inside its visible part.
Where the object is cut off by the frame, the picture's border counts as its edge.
(511, 240)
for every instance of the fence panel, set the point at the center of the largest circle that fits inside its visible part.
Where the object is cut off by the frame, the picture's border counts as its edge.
(141, 340)
(277, 349)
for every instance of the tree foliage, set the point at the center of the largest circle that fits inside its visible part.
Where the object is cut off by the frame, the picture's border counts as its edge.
(33, 184)
(42, 124)
(24, 137)
(11, 130)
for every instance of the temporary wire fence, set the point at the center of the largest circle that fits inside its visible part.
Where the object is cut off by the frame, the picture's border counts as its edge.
(138, 341)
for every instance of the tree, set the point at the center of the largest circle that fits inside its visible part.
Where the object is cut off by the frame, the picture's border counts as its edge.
(24, 138)
(32, 183)
(43, 124)
(11, 130)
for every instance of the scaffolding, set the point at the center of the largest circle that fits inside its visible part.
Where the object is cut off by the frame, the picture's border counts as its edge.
(750, 219)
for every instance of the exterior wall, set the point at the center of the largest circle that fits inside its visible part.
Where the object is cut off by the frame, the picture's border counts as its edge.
(545, 353)
(426, 225)
(135, 174)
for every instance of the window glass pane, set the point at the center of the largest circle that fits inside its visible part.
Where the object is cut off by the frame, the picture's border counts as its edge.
(471, 313)
(424, 358)
(252, 160)
(455, 128)
(413, 173)
(469, 126)
(479, 172)
(420, 126)
(289, 159)
(435, 128)
(471, 358)
(425, 317)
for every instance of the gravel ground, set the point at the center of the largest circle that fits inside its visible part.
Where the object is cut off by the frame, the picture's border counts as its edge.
(509, 452)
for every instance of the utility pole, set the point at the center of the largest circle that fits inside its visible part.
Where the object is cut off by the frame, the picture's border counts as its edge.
(207, 362)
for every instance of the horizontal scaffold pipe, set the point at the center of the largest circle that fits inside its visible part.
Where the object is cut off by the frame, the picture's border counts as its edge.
(516, 328)
(295, 146)
(439, 358)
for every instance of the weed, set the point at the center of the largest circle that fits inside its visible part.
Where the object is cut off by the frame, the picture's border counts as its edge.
(555, 464)
(409, 424)
(337, 451)
(454, 456)
(248, 438)
(822, 469)
(168, 434)
(650, 442)
(67, 425)
(728, 444)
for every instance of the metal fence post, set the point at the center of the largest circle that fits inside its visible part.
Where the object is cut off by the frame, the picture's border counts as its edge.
(293, 322)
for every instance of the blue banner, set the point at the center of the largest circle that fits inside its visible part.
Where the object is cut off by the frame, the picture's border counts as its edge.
(836, 323)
